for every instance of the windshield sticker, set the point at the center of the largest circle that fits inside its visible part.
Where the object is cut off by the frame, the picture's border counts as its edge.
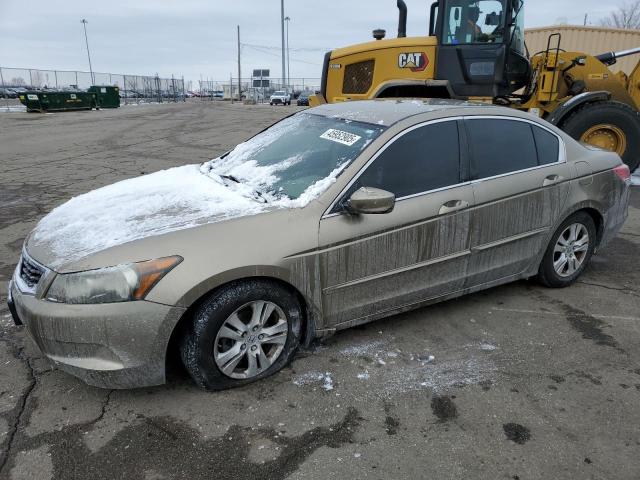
(339, 136)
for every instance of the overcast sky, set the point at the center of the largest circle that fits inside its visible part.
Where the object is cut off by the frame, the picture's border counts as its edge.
(198, 37)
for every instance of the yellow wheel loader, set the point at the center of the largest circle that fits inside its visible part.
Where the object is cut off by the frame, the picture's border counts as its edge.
(475, 50)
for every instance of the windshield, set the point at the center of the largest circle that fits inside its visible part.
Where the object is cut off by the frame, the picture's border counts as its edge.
(298, 157)
(279, 93)
(517, 30)
(468, 21)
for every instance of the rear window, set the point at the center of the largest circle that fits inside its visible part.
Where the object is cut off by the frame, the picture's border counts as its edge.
(500, 146)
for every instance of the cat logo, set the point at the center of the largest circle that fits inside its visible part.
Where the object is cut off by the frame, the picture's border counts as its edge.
(416, 62)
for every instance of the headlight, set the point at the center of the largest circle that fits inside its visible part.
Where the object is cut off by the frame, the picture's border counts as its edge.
(122, 283)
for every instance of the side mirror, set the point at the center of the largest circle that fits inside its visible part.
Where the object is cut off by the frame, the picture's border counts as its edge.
(492, 19)
(369, 201)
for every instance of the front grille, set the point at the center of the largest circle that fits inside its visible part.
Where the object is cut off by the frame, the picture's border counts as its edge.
(358, 77)
(30, 272)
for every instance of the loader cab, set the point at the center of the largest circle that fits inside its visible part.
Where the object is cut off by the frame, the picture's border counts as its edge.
(481, 49)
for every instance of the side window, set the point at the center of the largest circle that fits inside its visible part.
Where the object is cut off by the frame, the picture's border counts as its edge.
(547, 144)
(424, 159)
(500, 146)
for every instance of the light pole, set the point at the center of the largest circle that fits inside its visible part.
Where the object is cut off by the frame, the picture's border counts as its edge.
(284, 73)
(288, 19)
(84, 24)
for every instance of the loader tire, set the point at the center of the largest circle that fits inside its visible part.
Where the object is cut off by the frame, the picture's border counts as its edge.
(610, 125)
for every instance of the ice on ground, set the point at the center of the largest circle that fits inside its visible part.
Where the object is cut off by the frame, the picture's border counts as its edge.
(315, 378)
(364, 375)
(487, 347)
(635, 178)
(368, 348)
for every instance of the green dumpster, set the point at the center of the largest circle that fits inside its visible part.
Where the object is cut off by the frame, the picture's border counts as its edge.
(108, 97)
(58, 101)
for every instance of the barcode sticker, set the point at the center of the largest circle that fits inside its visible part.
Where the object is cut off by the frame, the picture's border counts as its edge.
(339, 136)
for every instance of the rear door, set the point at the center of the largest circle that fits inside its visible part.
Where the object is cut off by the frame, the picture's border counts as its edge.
(373, 264)
(520, 181)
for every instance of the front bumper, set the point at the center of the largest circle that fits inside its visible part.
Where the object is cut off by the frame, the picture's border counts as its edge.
(117, 345)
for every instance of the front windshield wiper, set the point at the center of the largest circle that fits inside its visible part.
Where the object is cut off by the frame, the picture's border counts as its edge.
(257, 195)
(230, 177)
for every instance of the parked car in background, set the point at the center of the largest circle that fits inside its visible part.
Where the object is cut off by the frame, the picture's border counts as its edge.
(303, 99)
(334, 217)
(280, 98)
(8, 93)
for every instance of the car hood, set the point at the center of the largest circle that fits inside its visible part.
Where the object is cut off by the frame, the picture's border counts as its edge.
(155, 204)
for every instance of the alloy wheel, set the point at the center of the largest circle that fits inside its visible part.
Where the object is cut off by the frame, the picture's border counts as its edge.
(571, 250)
(251, 339)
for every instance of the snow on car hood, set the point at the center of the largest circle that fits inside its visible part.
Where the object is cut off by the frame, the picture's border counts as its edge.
(162, 202)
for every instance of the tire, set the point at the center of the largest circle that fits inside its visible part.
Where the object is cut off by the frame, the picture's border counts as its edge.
(207, 349)
(548, 273)
(618, 114)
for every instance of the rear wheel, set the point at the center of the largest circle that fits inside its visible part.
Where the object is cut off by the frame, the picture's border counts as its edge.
(569, 251)
(610, 125)
(243, 332)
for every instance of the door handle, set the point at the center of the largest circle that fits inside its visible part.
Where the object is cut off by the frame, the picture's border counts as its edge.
(551, 180)
(453, 206)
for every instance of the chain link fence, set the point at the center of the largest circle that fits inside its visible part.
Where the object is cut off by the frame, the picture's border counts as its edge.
(254, 89)
(133, 88)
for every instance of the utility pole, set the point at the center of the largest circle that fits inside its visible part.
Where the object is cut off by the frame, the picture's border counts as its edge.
(586, 15)
(239, 71)
(84, 24)
(284, 73)
(288, 19)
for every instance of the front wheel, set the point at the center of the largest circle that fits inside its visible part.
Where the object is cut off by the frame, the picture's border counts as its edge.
(569, 252)
(244, 332)
(610, 125)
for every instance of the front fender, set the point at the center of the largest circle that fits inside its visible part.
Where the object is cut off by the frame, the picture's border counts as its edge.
(570, 105)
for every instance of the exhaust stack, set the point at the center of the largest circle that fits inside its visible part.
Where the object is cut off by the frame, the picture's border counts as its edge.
(402, 19)
(610, 58)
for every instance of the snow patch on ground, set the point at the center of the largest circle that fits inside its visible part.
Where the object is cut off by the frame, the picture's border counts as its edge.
(635, 178)
(12, 108)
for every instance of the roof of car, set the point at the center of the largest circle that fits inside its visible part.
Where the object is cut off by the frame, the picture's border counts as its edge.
(387, 112)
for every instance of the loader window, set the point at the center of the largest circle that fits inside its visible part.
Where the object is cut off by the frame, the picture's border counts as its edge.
(517, 32)
(473, 22)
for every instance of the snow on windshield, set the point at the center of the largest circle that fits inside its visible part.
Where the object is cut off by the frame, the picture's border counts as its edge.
(295, 159)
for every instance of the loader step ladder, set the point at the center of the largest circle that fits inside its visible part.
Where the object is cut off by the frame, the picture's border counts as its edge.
(556, 50)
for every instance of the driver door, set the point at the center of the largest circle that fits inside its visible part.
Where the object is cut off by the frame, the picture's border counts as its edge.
(374, 264)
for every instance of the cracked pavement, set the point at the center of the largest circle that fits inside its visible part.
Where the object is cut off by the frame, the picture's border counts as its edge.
(517, 382)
